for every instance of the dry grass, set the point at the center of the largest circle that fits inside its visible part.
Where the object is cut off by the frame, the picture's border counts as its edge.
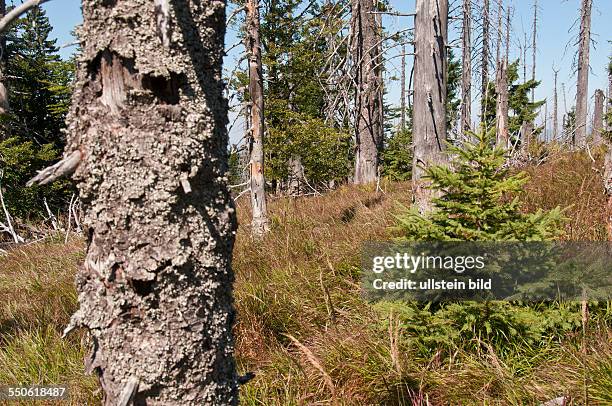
(301, 285)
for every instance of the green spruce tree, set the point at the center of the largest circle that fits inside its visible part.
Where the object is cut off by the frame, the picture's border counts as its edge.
(479, 201)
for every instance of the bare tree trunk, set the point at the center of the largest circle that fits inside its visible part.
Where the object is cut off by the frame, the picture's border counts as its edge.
(525, 58)
(485, 58)
(429, 112)
(4, 104)
(607, 178)
(582, 90)
(296, 176)
(526, 136)
(466, 72)
(555, 123)
(259, 225)
(403, 91)
(500, 12)
(598, 124)
(368, 97)
(534, 45)
(508, 27)
(501, 85)
(148, 123)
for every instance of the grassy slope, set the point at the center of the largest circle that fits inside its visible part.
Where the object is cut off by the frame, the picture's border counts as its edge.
(302, 327)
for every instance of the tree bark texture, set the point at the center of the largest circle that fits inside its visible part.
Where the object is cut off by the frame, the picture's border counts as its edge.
(149, 119)
(4, 104)
(368, 97)
(582, 89)
(429, 112)
(598, 114)
(501, 85)
(403, 91)
(259, 225)
(484, 85)
(466, 71)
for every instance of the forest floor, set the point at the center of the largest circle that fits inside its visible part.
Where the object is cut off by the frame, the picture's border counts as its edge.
(309, 337)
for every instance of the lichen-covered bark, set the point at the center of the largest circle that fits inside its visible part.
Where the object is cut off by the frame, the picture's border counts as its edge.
(148, 117)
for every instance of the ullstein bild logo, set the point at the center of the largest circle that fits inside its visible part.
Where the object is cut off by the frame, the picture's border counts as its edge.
(532, 271)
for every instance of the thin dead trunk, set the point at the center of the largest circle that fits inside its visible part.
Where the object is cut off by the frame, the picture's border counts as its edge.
(555, 118)
(582, 88)
(429, 112)
(501, 87)
(4, 104)
(500, 12)
(403, 91)
(368, 97)
(598, 124)
(466, 72)
(259, 224)
(148, 122)
(534, 46)
(484, 86)
(607, 178)
(508, 27)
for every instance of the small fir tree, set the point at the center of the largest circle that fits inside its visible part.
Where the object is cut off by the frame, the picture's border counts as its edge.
(479, 201)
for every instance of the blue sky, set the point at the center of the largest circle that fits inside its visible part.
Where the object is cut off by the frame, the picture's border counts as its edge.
(555, 32)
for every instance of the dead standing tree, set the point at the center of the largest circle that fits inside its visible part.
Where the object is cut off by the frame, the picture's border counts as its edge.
(368, 96)
(466, 72)
(582, 87)
(147, 137)
(259, 225)
(429, 111)
(598, 114)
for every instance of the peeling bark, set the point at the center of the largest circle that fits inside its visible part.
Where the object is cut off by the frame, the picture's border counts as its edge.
(582, 89)
(429, 112)
(259, 225)
(155, 290)
(598, 124)
(501, 85)
(368, 96)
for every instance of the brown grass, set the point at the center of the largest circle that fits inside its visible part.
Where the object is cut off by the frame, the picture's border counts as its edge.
(301, 285)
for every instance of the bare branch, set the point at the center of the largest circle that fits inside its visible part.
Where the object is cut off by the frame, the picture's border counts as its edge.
(17, 11)
(64, 167)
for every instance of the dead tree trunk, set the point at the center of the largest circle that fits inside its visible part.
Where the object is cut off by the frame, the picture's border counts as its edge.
(582, 89)
(607, 178)
(501, 88)
(598, 124)
(259, 224)
(466, 72)
(485, 58)
(555, 118)
(368, 97)
(500, 12)
(4, 104)
(403, 91)
(429, 111)
(508, 27)
(147, 129)
(534, 46)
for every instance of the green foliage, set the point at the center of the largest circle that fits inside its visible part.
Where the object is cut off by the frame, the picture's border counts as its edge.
(324, 151)
(520, 107)
(470, 326)
(397, 156)
(452, 89)
(476, 203)
(39, 90)
(569, 124)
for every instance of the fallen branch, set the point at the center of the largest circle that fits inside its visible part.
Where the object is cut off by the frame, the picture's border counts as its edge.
(17, 11)
(64, 167)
